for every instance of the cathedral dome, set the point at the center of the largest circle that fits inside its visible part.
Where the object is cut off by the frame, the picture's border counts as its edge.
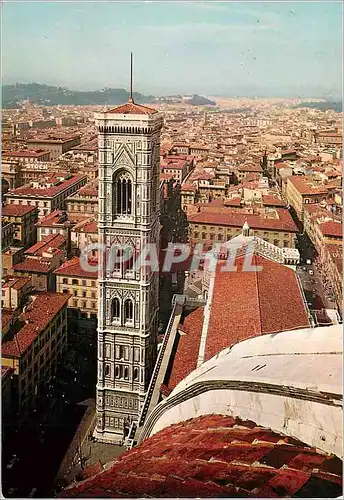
(260, 419)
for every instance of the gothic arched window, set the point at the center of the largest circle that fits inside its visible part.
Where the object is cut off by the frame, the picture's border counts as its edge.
(115, 308)
(122, 194)
(128, 310)
(107, 370)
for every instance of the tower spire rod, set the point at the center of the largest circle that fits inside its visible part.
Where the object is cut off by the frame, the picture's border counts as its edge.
(131, 99)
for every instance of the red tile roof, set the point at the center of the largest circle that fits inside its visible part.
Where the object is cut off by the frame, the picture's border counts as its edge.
(45, 192)
(185, 360)
(331, 228)
(216, 456)
(86, 226)
(284, 222)
(305, 185)
(250, 168)
(53, 219)
(37, 317)
(12, 210)
(132, 109)
(51, 241)
(188, 187)
(26, 154)
(33, 265)
(250, 303)
(271, 200)
(73, 267)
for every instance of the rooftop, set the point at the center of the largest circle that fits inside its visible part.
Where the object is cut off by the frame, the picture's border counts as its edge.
(332, 228)
(55, 218)
(73, 267)
(12, 210)
(43, 190)
(48, 243)
(216, 456)
(226, 217)
(246, 304)
(131, 108)
(38, 315)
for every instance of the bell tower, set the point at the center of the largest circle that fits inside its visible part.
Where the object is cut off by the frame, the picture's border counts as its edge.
(129, 164)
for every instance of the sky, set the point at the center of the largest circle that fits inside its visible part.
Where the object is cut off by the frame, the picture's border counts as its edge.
(211, 48)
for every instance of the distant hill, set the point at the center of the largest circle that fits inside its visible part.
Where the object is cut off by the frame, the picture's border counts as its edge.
(52, 96)
(197, 100)
(323, 105)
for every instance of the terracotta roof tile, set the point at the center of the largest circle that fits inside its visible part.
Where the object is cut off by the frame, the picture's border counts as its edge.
(246, 304)
(38, 315)
(132, 109)
(185, 360)
(17, 210)
(284, 222)
(331, 228)
(170, 465)
(73, 267)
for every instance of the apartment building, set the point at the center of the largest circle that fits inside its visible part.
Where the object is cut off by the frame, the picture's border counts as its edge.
(33, 346)
(53, 144)
(84, 233)
(84, 203)
(41, 260)
(48, 193)
(188, 192)
(56, 222)
(10, 257)
(7, 234)
(243, 171)
(28, 156)
(209, 227)
(14, 291)
(177, 166)
(23, 218)
(304, 190)
(82, 288)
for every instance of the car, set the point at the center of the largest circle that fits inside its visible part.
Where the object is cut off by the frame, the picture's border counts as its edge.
(311, 272)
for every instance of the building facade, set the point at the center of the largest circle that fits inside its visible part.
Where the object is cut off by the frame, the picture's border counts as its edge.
(129, 155)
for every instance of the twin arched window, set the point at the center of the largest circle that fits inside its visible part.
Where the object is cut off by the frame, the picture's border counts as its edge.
(128, 310)
(122, 194)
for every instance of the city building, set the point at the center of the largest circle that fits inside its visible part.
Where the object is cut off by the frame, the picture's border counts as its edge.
(48, 193)
(82, 287)
(23, 218)
(33, 346)
(7, 234)
(56, 222)
(242, 424)
(14, 291)
(304, 190)
(55, 145)
(41, 260)
(10, 257)
(129, 168)
(11, 174)
(212, 226)
(28, 156)
(84, 233)
(84, 203)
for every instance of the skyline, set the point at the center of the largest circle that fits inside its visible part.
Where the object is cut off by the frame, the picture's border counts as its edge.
(213, 48)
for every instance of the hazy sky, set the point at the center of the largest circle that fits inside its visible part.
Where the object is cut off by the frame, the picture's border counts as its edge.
(212, 48)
